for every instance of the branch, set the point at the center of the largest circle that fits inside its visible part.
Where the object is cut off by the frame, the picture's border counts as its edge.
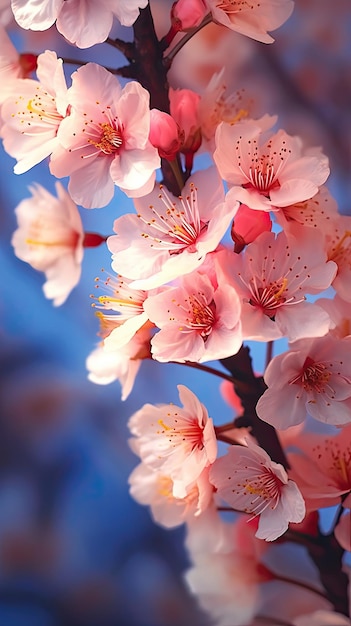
(249, 388)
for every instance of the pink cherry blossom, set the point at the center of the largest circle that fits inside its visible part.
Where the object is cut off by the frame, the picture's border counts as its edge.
(250, 481)
(313, 377)
(33, 113)
(171, 236)
(122, 364)
(127, 303)
(105, 139)
(83, 23)
(197, 321)
(156, 490)
(178, 442)
(50, 238)
(321, 467)
(253, 19)
(272, 276)
(268, 171)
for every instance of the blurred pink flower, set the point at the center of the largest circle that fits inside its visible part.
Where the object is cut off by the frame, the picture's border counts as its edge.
(250, 481)
(170, 236)
(50, 238)
(178, 442)
(313, 377)
(33, 112)
(253, 19)
(105, 139)
(155, 489)
(197, 321)
(268, 171)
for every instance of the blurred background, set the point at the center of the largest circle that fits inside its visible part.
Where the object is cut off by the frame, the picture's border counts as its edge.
(75, 550)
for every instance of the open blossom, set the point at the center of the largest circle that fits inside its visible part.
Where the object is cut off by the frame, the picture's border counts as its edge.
(155, 489)
(50, 238)
(267, 171)
(105, 140)
(321, 467)
(178, 442)
(169, 236)
(33, 113)
(313, 377)
(82, 22)
(197, 321)
(253, 19)
(250, 481)
(272, 276)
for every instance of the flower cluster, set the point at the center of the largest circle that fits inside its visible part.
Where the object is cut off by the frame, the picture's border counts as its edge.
(249, 248)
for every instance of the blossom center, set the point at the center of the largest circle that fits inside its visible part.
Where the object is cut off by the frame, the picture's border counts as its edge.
(110, 141)
(181, 431)
(314, 376)
(268, 297)
(266, 486)
(235, 6)
(201, 316)
(175, 227)
(341, 252)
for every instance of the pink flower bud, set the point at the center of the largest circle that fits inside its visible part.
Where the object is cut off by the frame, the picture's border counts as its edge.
(184, 105)
(248, 225)
(187, 14)
(164, 134)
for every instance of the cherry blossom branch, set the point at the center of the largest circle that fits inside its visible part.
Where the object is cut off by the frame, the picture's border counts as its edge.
(327, 555)
(168, 59)
(269, 353)
(148, 67)
(127, 48)
(208, 369)
(249, 388)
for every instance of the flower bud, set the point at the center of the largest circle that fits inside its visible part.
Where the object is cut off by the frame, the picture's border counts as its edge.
(187, 14)
(164, 134)
(248, 225)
